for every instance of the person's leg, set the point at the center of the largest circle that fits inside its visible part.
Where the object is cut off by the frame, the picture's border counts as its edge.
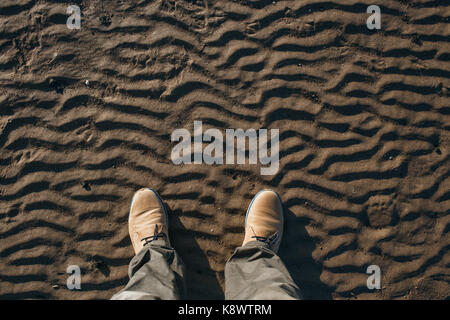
(156, 272)
(255, 271)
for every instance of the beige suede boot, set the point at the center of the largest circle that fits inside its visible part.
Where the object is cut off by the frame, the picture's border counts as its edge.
(148, 219)
(264, 220)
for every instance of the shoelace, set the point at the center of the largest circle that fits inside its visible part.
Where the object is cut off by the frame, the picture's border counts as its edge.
(156, 235)
(267, 240)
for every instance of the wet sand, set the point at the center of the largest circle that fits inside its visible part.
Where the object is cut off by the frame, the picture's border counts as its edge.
(364, 140)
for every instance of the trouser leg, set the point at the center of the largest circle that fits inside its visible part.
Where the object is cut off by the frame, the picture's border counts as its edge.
(156, 273)
(254, 272)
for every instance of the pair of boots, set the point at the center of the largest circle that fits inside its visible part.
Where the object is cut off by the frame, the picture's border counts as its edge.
(148, 219)
(253, 272)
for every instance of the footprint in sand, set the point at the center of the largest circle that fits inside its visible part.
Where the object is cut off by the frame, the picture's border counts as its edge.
(380, 211)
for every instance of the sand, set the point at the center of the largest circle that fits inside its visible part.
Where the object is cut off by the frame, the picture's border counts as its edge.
(364, 140)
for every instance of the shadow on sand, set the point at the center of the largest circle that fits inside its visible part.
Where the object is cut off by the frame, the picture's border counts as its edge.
(201, 281)
(296, 252)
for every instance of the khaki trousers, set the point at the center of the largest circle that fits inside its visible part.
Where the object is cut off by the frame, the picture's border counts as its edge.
(254, 272)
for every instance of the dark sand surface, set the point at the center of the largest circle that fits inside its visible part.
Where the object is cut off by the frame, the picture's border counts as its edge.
(364, 119)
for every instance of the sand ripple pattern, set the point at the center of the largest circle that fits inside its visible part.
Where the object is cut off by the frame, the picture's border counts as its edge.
(364, 121)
